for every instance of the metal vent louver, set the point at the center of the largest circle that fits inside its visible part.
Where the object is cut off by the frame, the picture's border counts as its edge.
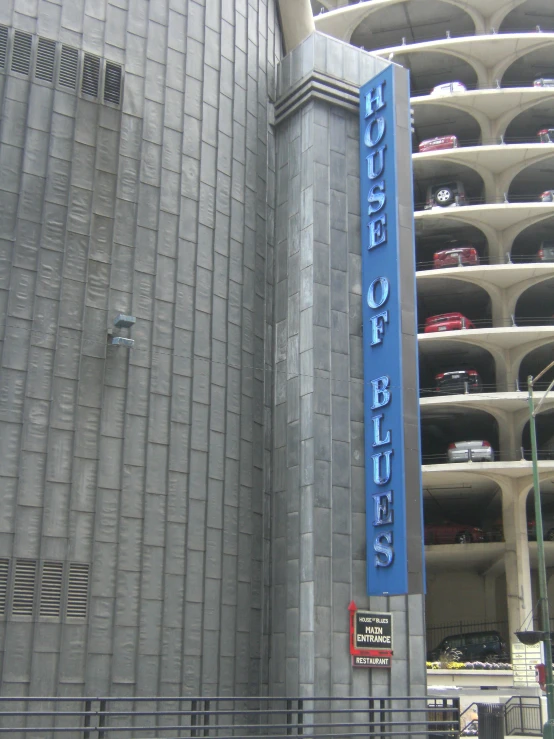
(24, 587)
(77, 591)
(46, 54)
(21, 55)
(3, 45)
(51, 589)
(4, 570)
(91, 75)
(112, 83)
(69, 64)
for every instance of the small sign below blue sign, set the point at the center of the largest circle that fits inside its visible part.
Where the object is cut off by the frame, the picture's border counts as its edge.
(384, 346)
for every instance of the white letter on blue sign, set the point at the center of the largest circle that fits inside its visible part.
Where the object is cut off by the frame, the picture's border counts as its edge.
(378, 327)
(378, 478)
(374, 131)
(377, 231)
(381, 396)
(383, 546)
(376, 195)
(374, 100)
(372, 300)
(376, 163)
(377, 440)
(382, 508)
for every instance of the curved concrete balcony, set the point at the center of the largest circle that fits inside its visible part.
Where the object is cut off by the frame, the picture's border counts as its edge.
(473, 476)
(495, 340)
(503, 283)
(496, 165)
(493, 110)
(489, 56)
(507, 346)
(504, 403)
(342, 22)
(509, 410)
(484, 558)
(479, 557)
(499, 222)
(499, 276)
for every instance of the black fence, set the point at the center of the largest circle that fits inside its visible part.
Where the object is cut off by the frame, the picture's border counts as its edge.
(177, 718)
(523, 716)
(435, 634)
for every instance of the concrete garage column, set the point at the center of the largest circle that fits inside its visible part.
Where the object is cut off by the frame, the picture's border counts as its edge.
(319, 522)
(516, 557)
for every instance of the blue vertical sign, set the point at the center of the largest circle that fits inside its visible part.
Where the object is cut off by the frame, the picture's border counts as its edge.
(384, 345)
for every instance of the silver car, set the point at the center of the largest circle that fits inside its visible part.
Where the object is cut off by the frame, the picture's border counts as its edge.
(470, 451)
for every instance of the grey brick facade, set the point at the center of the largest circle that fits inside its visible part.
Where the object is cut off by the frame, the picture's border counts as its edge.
(211, 478)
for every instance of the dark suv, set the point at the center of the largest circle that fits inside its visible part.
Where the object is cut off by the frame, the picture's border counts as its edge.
(476, 645)
(458, 381)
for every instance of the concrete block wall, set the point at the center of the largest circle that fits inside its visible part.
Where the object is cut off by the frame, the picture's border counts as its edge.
(319, 512)
(154, 465)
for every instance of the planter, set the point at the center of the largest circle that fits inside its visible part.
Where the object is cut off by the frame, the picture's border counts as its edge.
(470, 678)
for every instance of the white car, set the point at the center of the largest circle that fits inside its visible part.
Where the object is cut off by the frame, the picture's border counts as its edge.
(448, 88)
(470, 451)
(544, 82)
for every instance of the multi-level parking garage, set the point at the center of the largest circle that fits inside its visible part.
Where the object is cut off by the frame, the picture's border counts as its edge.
(497, 50)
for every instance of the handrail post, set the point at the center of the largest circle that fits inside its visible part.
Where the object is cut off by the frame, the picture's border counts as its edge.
(86, 725)
(193, 708)
(300, 717)
(289, 717)
(102, 720)
(206, 731)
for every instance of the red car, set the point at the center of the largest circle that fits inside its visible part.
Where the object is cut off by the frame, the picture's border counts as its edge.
(447, 322)
(439, 142)
(546, 136)
(452, 533)
(457, 257)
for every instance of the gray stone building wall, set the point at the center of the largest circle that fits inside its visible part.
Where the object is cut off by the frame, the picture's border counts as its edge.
(319, 511)
(150, 466)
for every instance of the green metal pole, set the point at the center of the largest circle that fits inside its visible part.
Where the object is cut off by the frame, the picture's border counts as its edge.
(548, 729)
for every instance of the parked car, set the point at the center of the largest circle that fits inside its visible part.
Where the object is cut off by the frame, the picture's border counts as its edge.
(475, 645)
(458, 381)
(546, 252)
(439, 142)
(447, 88)
(547, 530)
(496, 531)
(445, 194)
(547, 196)
(452, 533)
(447, 322)
(470, 451)
(460, 256)
(546, 136)
(544, 82)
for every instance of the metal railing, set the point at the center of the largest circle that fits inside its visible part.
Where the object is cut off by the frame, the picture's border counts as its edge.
(435, 634)
(177, 717)
(522, 715)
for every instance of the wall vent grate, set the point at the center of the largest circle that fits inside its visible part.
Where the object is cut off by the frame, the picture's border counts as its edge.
(77, 590)
(91, 75)
(4, 571)
(3, 45)
(24, 587)
(21, 55)
(46, 55)
(69, 64)
(51, 589)
(112, 83)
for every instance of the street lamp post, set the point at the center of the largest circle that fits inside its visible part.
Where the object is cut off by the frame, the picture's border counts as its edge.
(548, 729)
